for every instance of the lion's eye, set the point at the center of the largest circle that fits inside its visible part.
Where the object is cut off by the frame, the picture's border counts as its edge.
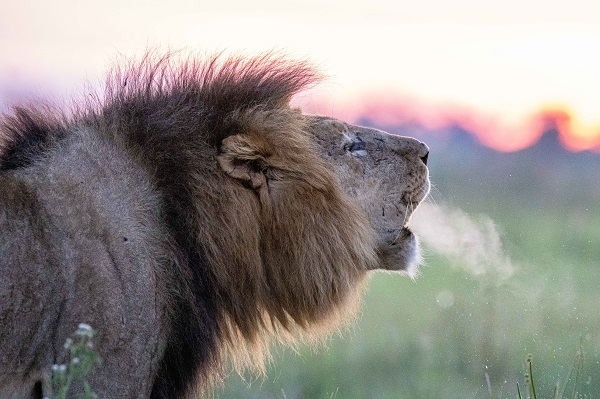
(357, 146)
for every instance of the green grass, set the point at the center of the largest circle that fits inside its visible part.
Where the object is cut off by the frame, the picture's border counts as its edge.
(407, 346)
(573, 387)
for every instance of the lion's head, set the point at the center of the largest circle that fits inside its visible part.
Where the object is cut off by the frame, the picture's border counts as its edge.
(332, 201)
(387, 176)
(243, 219)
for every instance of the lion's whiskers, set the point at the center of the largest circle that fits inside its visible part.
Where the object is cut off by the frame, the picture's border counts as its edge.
(433, 191)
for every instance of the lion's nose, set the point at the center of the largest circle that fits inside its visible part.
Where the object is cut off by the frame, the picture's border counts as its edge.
(424, 153)
(408, 147)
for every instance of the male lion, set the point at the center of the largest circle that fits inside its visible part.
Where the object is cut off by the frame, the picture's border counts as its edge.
(191, 216)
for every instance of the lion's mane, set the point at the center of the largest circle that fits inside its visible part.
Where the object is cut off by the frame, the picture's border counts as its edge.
(270, 248)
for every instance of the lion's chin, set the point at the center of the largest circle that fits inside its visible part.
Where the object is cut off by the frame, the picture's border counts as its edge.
(399, 251)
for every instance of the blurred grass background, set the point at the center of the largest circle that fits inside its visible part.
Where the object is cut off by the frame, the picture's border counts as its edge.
(451, 334)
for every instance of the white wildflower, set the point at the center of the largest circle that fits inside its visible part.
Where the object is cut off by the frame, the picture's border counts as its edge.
(85, 330)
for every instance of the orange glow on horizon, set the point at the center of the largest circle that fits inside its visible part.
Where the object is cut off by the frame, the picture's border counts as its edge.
(575, 134)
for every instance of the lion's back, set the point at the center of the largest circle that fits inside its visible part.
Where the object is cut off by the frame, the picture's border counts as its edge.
(81, 241)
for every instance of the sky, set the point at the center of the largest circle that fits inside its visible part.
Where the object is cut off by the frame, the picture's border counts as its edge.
(505, 71)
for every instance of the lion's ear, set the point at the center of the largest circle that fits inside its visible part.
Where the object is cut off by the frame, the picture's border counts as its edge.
(244, 157)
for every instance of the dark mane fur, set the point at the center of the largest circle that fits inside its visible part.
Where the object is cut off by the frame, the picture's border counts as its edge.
(167, 111)
(162, 92)
(26, 134)
(187, 96)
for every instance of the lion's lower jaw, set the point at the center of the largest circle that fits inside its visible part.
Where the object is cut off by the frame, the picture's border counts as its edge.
(400, 253)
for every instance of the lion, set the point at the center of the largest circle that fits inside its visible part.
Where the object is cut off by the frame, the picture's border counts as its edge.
(192, 216)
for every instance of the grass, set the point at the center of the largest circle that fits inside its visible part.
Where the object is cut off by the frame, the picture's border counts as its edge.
(529, 381)
(406, 345)
(574, 378)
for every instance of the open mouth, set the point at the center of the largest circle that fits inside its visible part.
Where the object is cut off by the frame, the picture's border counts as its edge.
(410, 207)
(412, 200)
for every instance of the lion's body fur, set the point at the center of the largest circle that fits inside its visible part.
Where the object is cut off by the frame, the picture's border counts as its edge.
(70, 253)
(149, 216)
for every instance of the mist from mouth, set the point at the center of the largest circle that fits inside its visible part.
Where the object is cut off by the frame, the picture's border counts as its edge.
(472, 243)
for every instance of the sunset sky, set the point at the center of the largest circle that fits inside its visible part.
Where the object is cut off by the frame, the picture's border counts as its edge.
(505, 71)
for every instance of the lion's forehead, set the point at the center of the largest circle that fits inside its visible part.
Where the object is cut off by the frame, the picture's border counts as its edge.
(339, 133)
